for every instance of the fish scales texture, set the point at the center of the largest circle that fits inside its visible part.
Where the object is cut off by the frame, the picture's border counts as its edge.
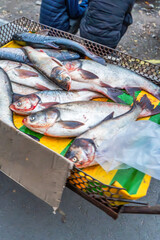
(5, 98)
(21, 89)
(83, 149)
(111, 75)
(18, 55)
(49, 40)
(23, 74)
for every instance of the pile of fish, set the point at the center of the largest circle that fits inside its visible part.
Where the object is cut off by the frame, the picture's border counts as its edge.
(53, 87)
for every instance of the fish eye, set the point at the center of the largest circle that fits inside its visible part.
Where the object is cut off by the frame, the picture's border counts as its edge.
(32, 118)
(19, 104)
(67, 79)
(75, 159)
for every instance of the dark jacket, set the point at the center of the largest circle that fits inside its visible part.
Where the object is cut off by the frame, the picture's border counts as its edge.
(56, 13)
(106, 21)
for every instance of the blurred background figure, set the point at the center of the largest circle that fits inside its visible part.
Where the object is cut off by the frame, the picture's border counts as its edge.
(106, 21)
(63, 14)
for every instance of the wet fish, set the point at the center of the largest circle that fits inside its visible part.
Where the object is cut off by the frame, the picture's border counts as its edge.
(72, 119)
(38, 101)
(18, 55)
(23, 74)
(5, 98)
(55, 42)
(52, 68)
(84, 148)
(110, 76)
(21, 89)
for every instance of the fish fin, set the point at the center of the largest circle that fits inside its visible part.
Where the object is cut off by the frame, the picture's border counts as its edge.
(144, 103)
(43, 32)
(86, 74)
(110, 116)
(52, 45)
(16, 96)
(57, 61)
(113, 94)
(150, 108)
(41, 87)
(49, 104)
(71, 124)
(25, 73)
(131, 90)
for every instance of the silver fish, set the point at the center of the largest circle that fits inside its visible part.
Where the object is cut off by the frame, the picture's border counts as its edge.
(5, 98)
(27, 104)
(72, 119)
(83, 149)
(23, 74)
(52, 68)
(110, 76)
(18, 55)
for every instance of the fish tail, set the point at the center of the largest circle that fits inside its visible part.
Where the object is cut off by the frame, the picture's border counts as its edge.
(113, 94)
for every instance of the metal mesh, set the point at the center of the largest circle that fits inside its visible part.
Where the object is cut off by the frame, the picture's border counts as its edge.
(141, 67)
(107, 195)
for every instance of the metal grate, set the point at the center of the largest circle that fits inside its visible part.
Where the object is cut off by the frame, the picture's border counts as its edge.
(93, 190)
(141, 67)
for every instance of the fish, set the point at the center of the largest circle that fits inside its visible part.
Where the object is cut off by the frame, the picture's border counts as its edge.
(72, 119)
(111, 76)
(84, 148)
(19, 89)
(26, 75)
(38, 101)
(5, 99)
(52, 68)
(18, 55)
(33, 39)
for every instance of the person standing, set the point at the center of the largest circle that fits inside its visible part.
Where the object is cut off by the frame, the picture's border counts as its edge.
(106, 21)
(62, 14)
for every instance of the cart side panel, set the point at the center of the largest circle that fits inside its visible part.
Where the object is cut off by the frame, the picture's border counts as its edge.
(37, 168)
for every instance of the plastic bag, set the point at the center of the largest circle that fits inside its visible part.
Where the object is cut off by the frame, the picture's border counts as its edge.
(136, 145)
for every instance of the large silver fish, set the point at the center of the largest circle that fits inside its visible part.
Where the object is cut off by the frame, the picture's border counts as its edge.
(23, 74)
(52, 68)
(72, 119)
(18, 55)
(111, 76)
(5, 98)
(38, 101)
(55, 42)
(84, 148)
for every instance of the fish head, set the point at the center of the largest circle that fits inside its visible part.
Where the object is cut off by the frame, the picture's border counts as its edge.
(41, 120)
(81, 152)
(62, 77)
(25, 105)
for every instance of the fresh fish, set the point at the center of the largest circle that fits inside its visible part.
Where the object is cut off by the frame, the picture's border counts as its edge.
(21, 89)
(72, 119)
(52, 68)
(84, 148)
(23, 74)
(18, 55)
(55, 42)
(111, 76)
(38, 101)
(5, 98)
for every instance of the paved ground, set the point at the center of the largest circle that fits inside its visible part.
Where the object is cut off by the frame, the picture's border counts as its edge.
(25, 217)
